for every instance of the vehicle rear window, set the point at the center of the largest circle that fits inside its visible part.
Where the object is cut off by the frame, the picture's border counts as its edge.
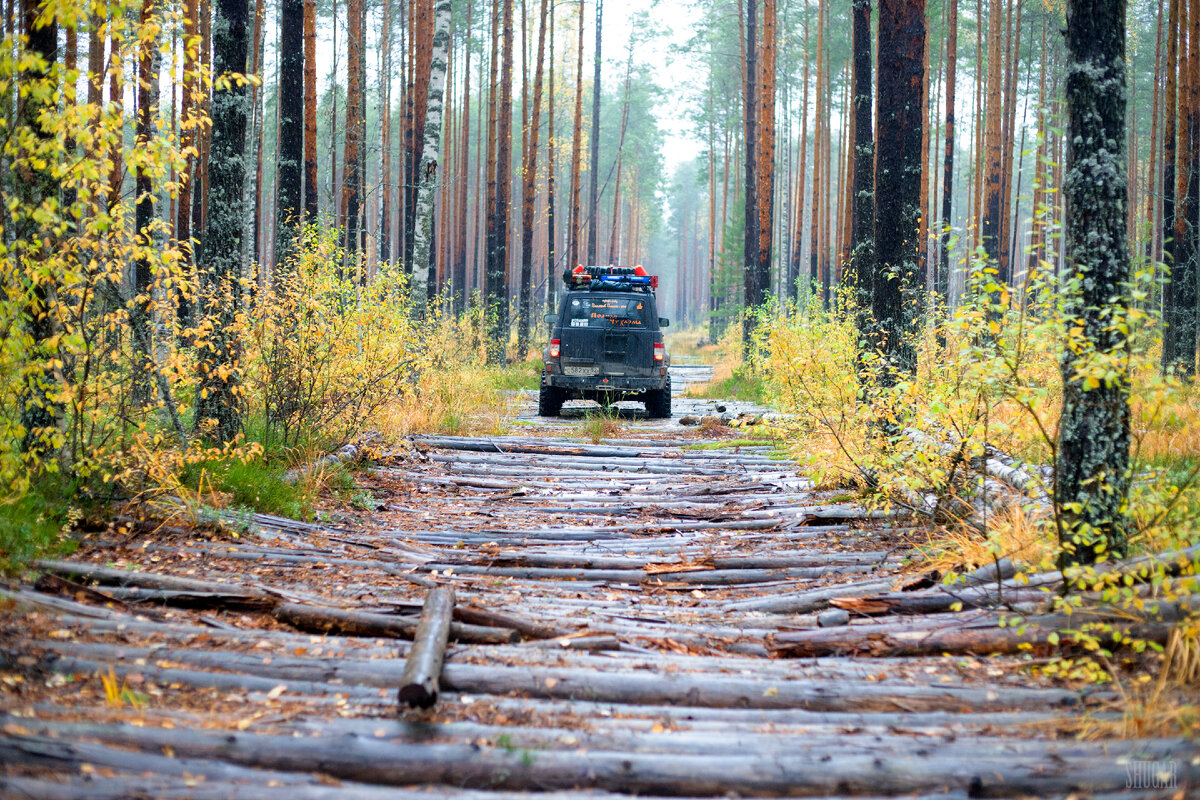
(606, 312)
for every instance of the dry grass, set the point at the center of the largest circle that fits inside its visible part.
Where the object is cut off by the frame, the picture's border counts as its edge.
(455, 401)
(1013, 534)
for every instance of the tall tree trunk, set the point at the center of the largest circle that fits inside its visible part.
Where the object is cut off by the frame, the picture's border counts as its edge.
(419, 85)
(1170, 141)
(897, 283)
(529, 191)
(1037, 220)
(41, 411)
(551, 166)
(594, 147)
(1180, 293)
(218, 410)
(430, 153)
(765, 154)
(942, 282)
(1092, 475)
(574, 222)
(489, 205)
(1153, 172)
(793, 275)
(993, 145)
(750, 173)
(351, 182)
(814, 232)
(385, 134)
(862, 220)
(191, 83)
(141, 320)
(289, 198)
(496, 283)
(458, 279)
(310, 110)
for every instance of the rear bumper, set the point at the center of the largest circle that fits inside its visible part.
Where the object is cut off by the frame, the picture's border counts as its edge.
(606, 383)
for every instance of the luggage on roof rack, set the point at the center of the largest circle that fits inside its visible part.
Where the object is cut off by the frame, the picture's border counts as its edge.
(611, 277)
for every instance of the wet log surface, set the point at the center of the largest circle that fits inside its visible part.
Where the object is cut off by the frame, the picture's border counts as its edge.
(659, 614)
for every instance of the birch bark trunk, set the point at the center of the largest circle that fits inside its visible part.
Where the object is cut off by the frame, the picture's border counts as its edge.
(427, 175)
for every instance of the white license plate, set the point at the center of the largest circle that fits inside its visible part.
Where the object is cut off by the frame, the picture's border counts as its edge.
(581, 372)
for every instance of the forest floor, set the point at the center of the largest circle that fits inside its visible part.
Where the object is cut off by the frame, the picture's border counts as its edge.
(669, 611)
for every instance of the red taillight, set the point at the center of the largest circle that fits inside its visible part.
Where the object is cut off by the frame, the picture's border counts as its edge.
(556, 345)
(660, 350)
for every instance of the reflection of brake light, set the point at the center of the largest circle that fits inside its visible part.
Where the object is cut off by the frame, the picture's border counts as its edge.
(555, 346)
(659, 351)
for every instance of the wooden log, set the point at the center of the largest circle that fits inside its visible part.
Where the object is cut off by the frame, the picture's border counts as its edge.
(811, 600)
(423, 667)
(982, 771)
(920, 640)
(149, 580)
(361, 623)
(472, 614)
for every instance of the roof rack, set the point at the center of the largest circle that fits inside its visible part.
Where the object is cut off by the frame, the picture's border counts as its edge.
(611, 277)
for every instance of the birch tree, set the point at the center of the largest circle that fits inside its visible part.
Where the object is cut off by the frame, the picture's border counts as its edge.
(429, 155)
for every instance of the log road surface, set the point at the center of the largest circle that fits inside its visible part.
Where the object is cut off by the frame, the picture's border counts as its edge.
(638, 616)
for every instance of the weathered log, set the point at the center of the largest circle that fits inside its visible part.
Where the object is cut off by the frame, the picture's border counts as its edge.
(423, 667)
(811, 600)
(953, 638)
(916, 768)
(361, 623)
(53, 584)
(150, 580)
(475, 615)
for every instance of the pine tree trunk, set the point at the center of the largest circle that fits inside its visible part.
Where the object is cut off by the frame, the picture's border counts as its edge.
(1092, 475)
(41, 412)
(897, 284)
(765, 155)
(993, 146)
(429, 157)
(1170, 142)
(593, 245)
(529, 191)
(814, 232)
(551, 166)
(140, 321)
(574, 222)
(191, 49)
(289, 170)
(750, 90)
(1153, 171)
(793, 275)
(385, 134)
(942, 282)
(862, 219)
(218, 411)
(351, 180)
(1180, 311)
(310, 110)
(458, 278)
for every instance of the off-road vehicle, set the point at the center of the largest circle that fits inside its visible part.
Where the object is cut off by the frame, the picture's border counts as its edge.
(606, 343)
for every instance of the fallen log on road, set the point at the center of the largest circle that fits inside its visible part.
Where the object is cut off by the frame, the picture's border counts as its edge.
(423, 668)
(362, 623)
(894, 640)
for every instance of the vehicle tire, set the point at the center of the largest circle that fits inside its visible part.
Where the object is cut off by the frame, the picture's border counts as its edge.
(658, 402)
(550, 400)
